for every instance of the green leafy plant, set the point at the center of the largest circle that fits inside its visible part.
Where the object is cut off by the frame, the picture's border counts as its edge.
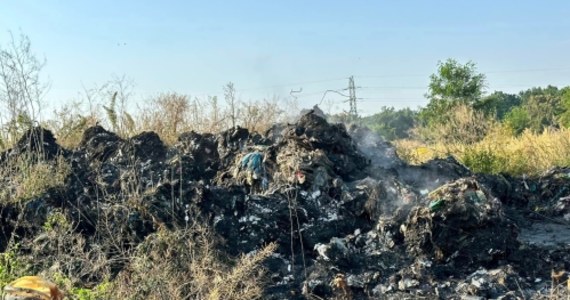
(483, 160)
(10, 265)
(57, 220)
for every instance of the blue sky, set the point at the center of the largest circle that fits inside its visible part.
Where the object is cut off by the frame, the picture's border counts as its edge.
(270, 47)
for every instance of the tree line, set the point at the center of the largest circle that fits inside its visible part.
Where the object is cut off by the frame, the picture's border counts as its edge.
(458, 105)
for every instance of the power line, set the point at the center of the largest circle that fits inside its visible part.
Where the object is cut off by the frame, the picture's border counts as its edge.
(315, 93)
(391, 99)
(392, 87)
(291, 84)
(309, 82)
(390, 76)
(331, 91)
(529, 70)
(426, 87)
(488, 72)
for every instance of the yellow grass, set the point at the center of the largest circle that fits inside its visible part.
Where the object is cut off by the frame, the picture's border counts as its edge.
(498, 151)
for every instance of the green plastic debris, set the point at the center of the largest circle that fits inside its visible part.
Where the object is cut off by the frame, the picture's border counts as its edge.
(436, 205)
(475, 197)
(481, 196)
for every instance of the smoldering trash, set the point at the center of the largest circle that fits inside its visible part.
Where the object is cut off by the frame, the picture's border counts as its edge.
(351, 220)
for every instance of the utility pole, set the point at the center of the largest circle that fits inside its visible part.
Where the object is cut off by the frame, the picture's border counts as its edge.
(352, 98)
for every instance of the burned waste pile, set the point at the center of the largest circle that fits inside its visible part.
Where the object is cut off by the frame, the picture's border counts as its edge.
(350, 219)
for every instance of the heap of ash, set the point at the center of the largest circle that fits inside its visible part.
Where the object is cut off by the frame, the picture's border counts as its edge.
(351, 220)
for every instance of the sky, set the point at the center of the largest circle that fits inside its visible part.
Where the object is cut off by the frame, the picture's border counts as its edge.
(269, 48)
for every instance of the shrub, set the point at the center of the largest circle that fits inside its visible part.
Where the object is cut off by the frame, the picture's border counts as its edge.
(462, 124)
(483, 160)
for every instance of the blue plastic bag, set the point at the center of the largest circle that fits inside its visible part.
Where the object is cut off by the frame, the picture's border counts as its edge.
(252, 162)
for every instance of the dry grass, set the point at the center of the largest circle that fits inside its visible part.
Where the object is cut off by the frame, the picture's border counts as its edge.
(30, 177)
(487, 146)
(168, 115)
(169, 264)
(559, 291)
(69, 124)
(462, 125)
(171, 114)
(185, 264)
(499, 151)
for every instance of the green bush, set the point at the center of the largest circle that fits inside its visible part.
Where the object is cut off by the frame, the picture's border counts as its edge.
(483, 161)
(11, 267)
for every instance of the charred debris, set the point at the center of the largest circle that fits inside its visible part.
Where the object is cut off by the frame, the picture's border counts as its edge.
(351, 220)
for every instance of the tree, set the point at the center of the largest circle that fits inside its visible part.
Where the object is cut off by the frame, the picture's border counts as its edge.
(456, 82)
(540, 91)
(498, 104)
(391, 123)
(564, 118)
(543, 111)
(540, 108)
(21, 90)
(217, 121)
(517, 119)
(230, 96)
(452, 84)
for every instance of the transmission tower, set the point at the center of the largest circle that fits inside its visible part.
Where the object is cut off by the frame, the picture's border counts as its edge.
(352, 98)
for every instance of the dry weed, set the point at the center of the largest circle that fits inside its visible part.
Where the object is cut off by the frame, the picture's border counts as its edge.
(499, 151)
(184, 264)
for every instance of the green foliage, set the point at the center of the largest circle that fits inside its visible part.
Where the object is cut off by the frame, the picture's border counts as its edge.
(101, 291)
(543, 111)
(539, 91)
(459, 84)
(129, 122)
(69, 124)
(451, 85)
(498, 104)
(391, 123)
(483, 160)
(456, 82)
(57, 220)
(564, 117)
(436, 112)
(540, 108)
(10, 265)
(517, 120)
(14, 129)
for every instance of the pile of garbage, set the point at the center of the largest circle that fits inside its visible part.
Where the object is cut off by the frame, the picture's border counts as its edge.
(351, 220)
(458, 217)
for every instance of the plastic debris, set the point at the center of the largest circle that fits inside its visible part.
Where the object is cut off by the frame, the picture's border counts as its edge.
(31, 288)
